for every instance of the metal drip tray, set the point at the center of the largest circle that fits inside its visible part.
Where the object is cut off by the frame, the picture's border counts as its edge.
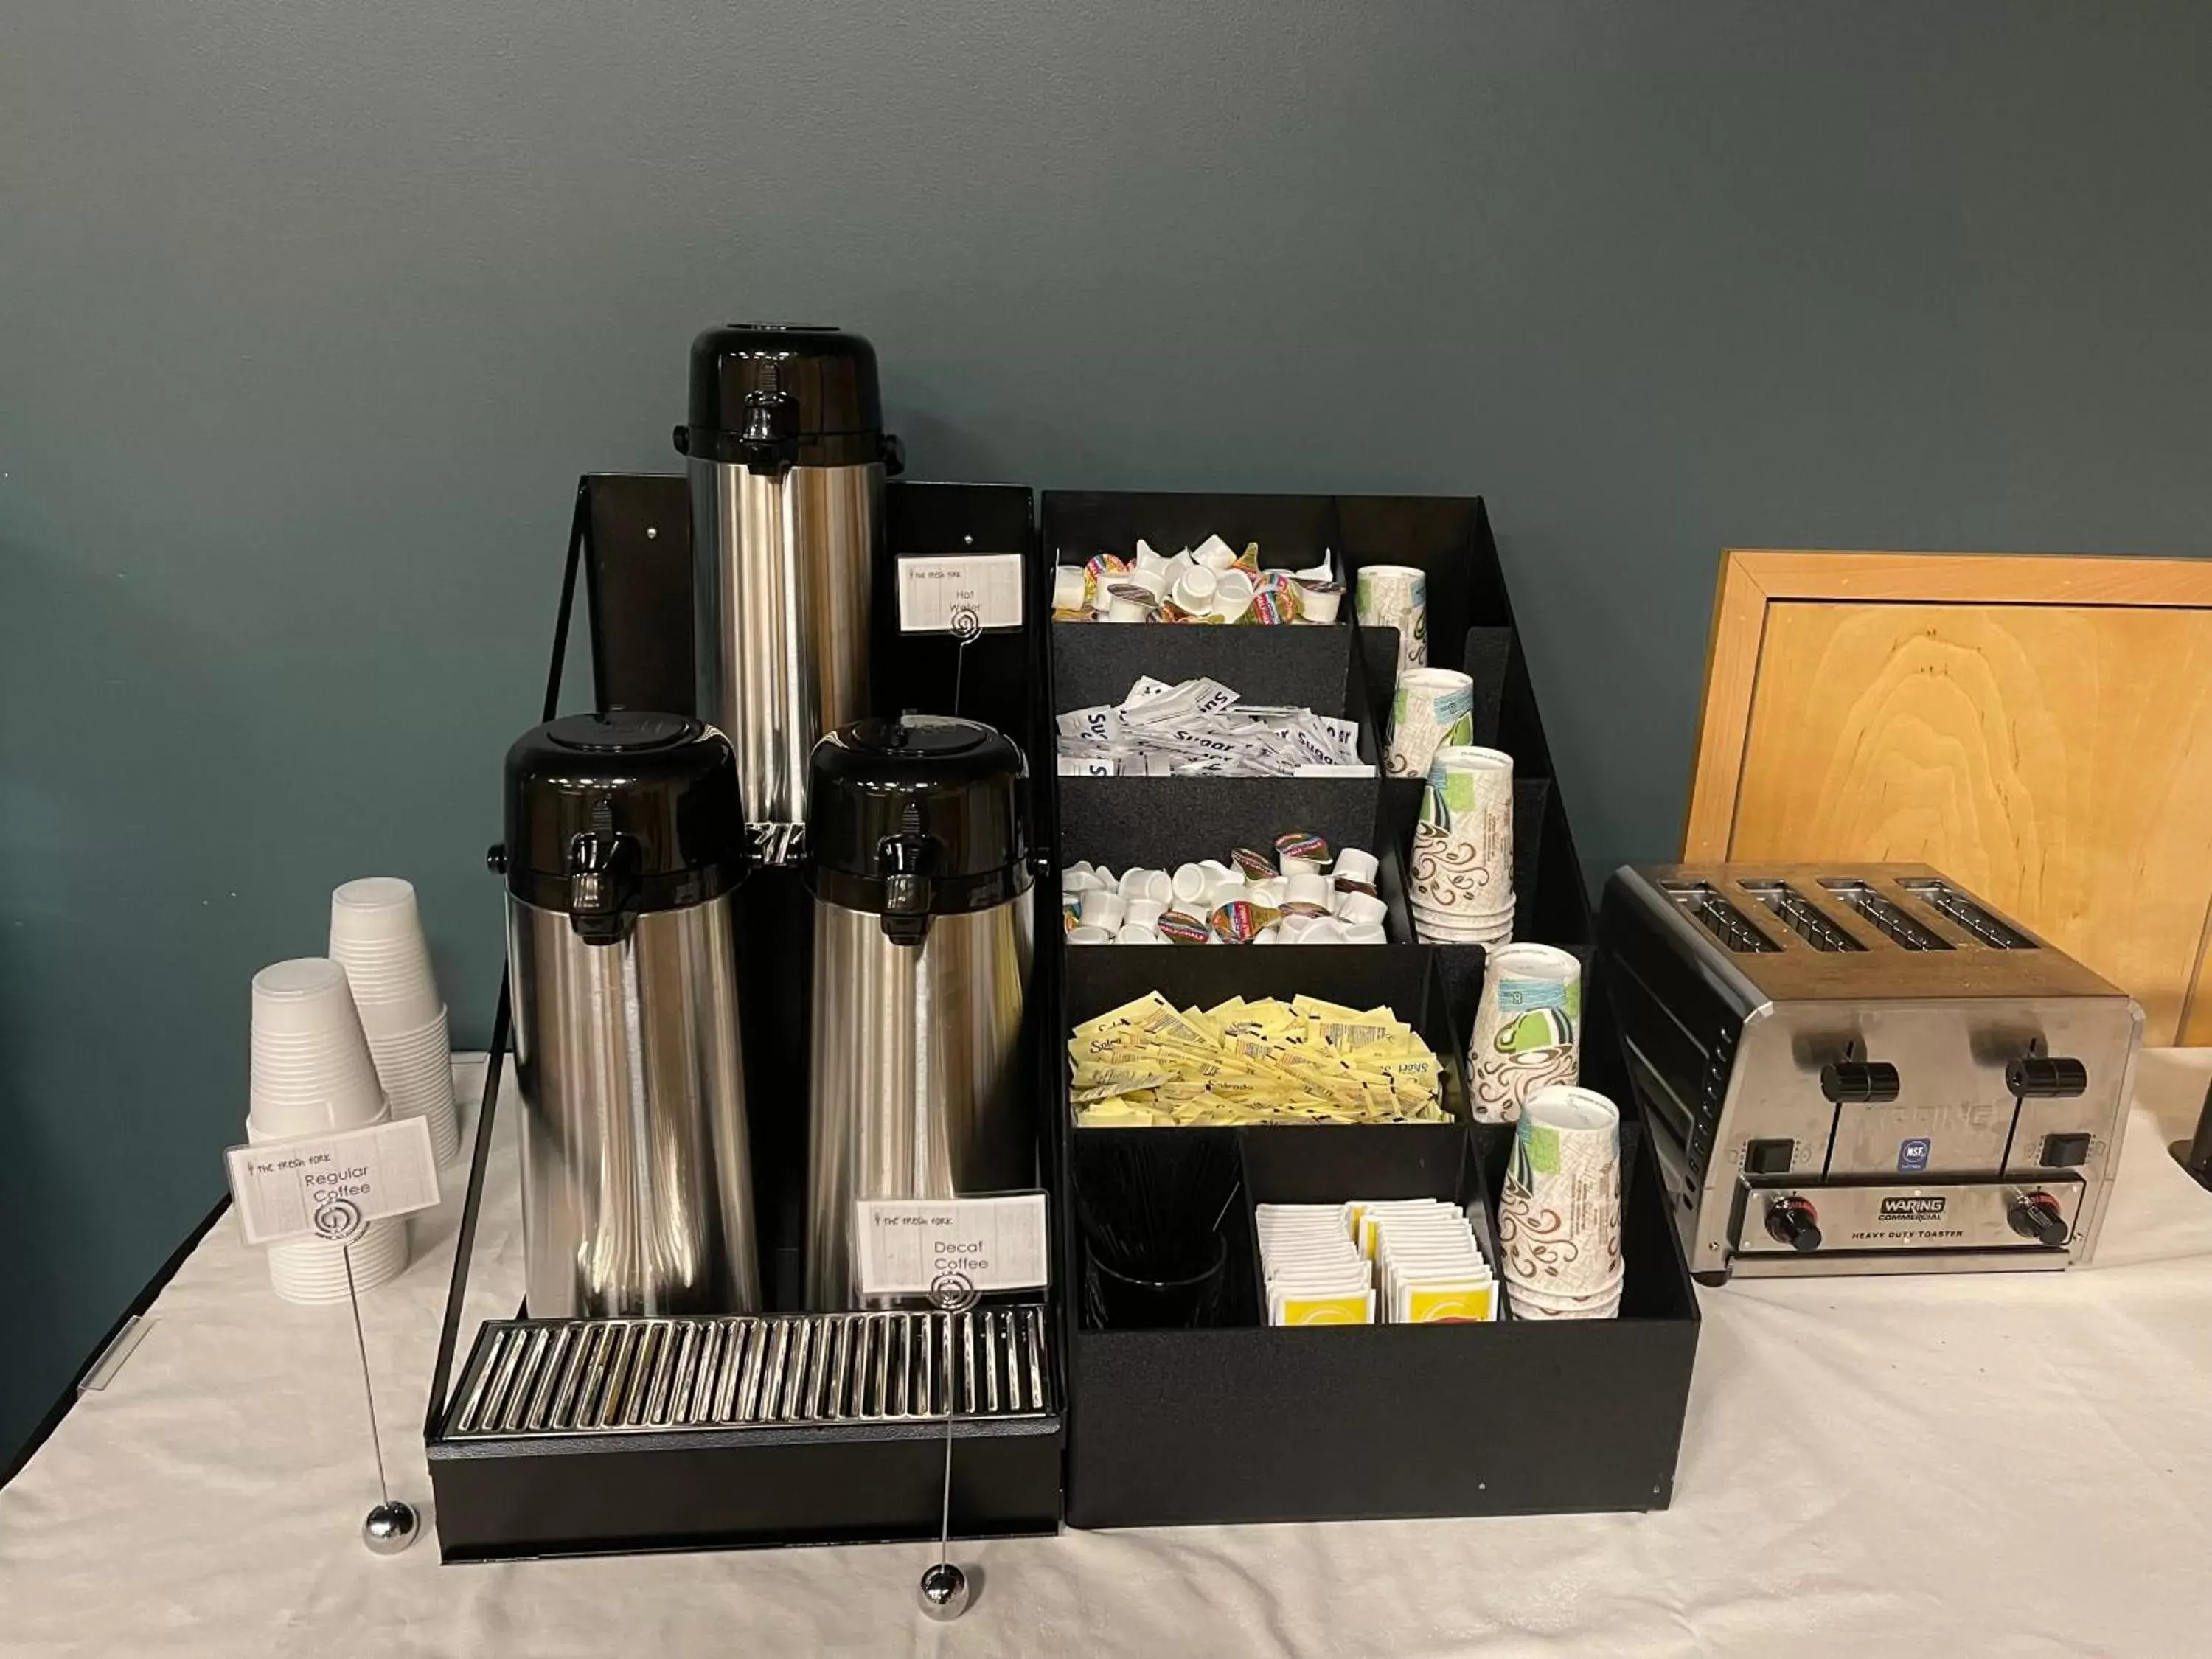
(536, 1379)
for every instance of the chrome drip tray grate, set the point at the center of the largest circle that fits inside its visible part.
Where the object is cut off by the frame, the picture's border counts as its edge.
(538, 1377)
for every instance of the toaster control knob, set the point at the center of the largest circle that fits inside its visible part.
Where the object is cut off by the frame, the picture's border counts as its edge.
(1859, 1082)
(2037, 1216)
(1794, 1222)
(2047, 1076)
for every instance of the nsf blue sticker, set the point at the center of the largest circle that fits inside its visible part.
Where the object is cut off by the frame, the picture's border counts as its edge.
(1912, 1156)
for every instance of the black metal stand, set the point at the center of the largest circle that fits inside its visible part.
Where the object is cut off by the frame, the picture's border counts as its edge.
(502, 1497)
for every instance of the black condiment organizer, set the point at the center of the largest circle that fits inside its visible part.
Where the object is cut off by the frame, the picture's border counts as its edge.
(1243, 1422)
(1236, 1423)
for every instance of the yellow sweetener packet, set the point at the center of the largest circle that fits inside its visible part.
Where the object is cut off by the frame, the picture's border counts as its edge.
(1315, 1008)
(1128, 1014)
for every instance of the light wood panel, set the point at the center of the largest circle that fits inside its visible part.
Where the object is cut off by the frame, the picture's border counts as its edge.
(1731, 671)
(2045, 735)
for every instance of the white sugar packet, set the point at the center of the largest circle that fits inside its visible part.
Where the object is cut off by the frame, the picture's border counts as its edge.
(1096, 724)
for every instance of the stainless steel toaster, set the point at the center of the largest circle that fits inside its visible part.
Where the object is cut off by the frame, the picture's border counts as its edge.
(1864, 1068)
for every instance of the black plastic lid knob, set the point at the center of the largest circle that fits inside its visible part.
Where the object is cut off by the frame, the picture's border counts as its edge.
(915, 816)
(609, 816)
(768, 396)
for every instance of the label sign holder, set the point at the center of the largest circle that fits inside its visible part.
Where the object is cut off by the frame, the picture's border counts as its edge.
(962, 594)
(332, 1187)
(903, 1247)
(954, 1251)
(319, 1185)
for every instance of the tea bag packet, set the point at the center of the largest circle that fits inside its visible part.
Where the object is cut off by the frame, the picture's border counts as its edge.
(1408, 1261)
(1312, 1273)
(1428, 1265)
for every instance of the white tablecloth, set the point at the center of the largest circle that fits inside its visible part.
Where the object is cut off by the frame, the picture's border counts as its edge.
(1979, 1464)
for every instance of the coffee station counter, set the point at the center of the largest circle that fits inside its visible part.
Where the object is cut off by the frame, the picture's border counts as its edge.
(800, 954)
(203, 1502)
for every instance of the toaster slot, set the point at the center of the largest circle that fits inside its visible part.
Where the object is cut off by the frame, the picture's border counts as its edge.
(1903, 930)
(1796, 913)
(1947, 900)
(1709, 908)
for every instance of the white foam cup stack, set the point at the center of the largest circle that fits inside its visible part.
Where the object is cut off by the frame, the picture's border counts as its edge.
(313, 1271)
(310, 1072)
(417, 1070)
(376, 934)
(309, 1069)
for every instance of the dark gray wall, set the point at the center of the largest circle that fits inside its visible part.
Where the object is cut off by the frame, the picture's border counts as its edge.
(310, 314)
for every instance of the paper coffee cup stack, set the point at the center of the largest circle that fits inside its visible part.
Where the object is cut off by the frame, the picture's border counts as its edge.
(1432, 709)
(376, 935)
(1463, 866)
(1558, 1225)
(1396, 596)
(1527, 1029)
(310, 1072)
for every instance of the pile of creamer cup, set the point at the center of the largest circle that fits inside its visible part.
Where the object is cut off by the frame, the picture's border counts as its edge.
(1210, 583)
(1297, 894)
(1412, 1262)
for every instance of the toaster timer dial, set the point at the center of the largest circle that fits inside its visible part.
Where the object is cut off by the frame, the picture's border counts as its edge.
(2038, 1216)
(1794, 1221)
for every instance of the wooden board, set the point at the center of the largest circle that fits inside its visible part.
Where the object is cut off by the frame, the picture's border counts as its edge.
(2044, 732)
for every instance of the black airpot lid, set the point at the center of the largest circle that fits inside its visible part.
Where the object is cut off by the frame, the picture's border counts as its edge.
(779, 393)
(923, 796)
(622, 812)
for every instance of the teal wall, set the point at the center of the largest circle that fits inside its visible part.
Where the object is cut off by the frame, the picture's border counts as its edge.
(311, 313)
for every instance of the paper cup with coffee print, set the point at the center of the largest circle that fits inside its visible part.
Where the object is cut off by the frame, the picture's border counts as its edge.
(1527, 1029)
(1462, 864)
(1560, 1220)
(1432, 709)
(1396, 596)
